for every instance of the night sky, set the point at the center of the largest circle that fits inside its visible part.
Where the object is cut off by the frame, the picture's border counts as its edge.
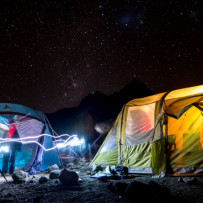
(54, 53)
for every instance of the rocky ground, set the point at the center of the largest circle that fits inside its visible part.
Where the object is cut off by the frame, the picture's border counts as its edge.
(139, 188)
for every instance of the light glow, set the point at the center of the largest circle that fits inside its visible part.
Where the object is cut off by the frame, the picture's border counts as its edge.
(4, 149)
(72, 140)
(4, 126)
(76, 141)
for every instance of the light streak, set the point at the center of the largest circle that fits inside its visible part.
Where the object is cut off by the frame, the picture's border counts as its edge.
(72, 140)
(35, 136)
(26, 140)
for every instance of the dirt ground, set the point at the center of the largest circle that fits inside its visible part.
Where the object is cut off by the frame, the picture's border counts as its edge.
(184, 189)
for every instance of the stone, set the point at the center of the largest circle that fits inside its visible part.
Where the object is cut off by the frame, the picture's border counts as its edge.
(32, 181)
(54, 174)
(120, 187)
(189, 180)
(155, 192)
(88, 173)
(69, 178)
(53, 167)
(138, 191)
(57, 181)
(103, 178)
(43, 179)
(69, 165)
(18, 176)
(111, 187)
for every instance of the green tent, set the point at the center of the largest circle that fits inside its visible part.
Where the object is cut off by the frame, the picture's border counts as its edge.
(157, 134)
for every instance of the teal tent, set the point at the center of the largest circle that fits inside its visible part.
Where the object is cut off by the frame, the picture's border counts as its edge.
(36, 144)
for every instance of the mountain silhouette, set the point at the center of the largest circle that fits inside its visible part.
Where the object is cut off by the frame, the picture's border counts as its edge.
(103, 107)
(94, 109)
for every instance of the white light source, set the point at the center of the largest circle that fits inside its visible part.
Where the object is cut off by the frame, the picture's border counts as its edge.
(4, 126)
(75, 142)
(71, 141)
(61, 145)
(4, 149)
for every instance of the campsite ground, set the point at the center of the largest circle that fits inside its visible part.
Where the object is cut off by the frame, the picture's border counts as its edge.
(185, 189)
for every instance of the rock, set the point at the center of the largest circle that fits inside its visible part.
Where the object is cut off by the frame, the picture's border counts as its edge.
(68, 178)
(120, 187)
(69, 165)
(97, 168)
(53, 167)
(18, 176)
(159, 192)
(189, 180)
(32, 181)
(147, 192)
(54, 174)
(111, 187)
(136, 190)
(43, 179)
(103, 178)
(57, 181)
(88, 173)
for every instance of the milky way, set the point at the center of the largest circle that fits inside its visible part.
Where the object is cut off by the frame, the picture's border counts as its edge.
(54, 53)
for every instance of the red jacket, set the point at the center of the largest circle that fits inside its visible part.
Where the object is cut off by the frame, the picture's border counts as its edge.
(11, 130)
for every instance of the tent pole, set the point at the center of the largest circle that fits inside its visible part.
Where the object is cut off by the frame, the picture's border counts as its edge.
(119, 139)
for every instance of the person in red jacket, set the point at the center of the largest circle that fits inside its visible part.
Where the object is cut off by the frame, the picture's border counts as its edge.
(9, 156)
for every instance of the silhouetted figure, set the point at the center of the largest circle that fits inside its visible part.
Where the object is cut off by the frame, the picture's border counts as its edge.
(13, 147)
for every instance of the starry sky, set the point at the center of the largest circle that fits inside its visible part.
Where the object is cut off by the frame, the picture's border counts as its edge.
(53, 53)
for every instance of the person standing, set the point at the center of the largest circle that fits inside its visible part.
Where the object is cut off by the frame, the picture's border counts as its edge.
(13, 147)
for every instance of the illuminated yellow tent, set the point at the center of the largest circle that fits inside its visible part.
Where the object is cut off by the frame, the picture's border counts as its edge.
(158, 134)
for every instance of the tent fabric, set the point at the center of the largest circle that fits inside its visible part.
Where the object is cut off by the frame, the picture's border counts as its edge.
(185, 138)
(158, 133)
(30, 124)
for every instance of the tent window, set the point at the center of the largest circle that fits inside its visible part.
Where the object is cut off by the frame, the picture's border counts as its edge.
(110, 143)
(139, 124)
(29, 128)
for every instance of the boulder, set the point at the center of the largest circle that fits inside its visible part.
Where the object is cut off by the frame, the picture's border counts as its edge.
(155, 192)
(43, 179)
(54, 174)
(53, 167)
(111, 187)
(120, 187)
(68, 178)
(137, 190)
(18, 176)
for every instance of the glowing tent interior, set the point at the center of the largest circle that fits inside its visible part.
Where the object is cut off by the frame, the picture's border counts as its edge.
(162, 133)
(29, 150)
